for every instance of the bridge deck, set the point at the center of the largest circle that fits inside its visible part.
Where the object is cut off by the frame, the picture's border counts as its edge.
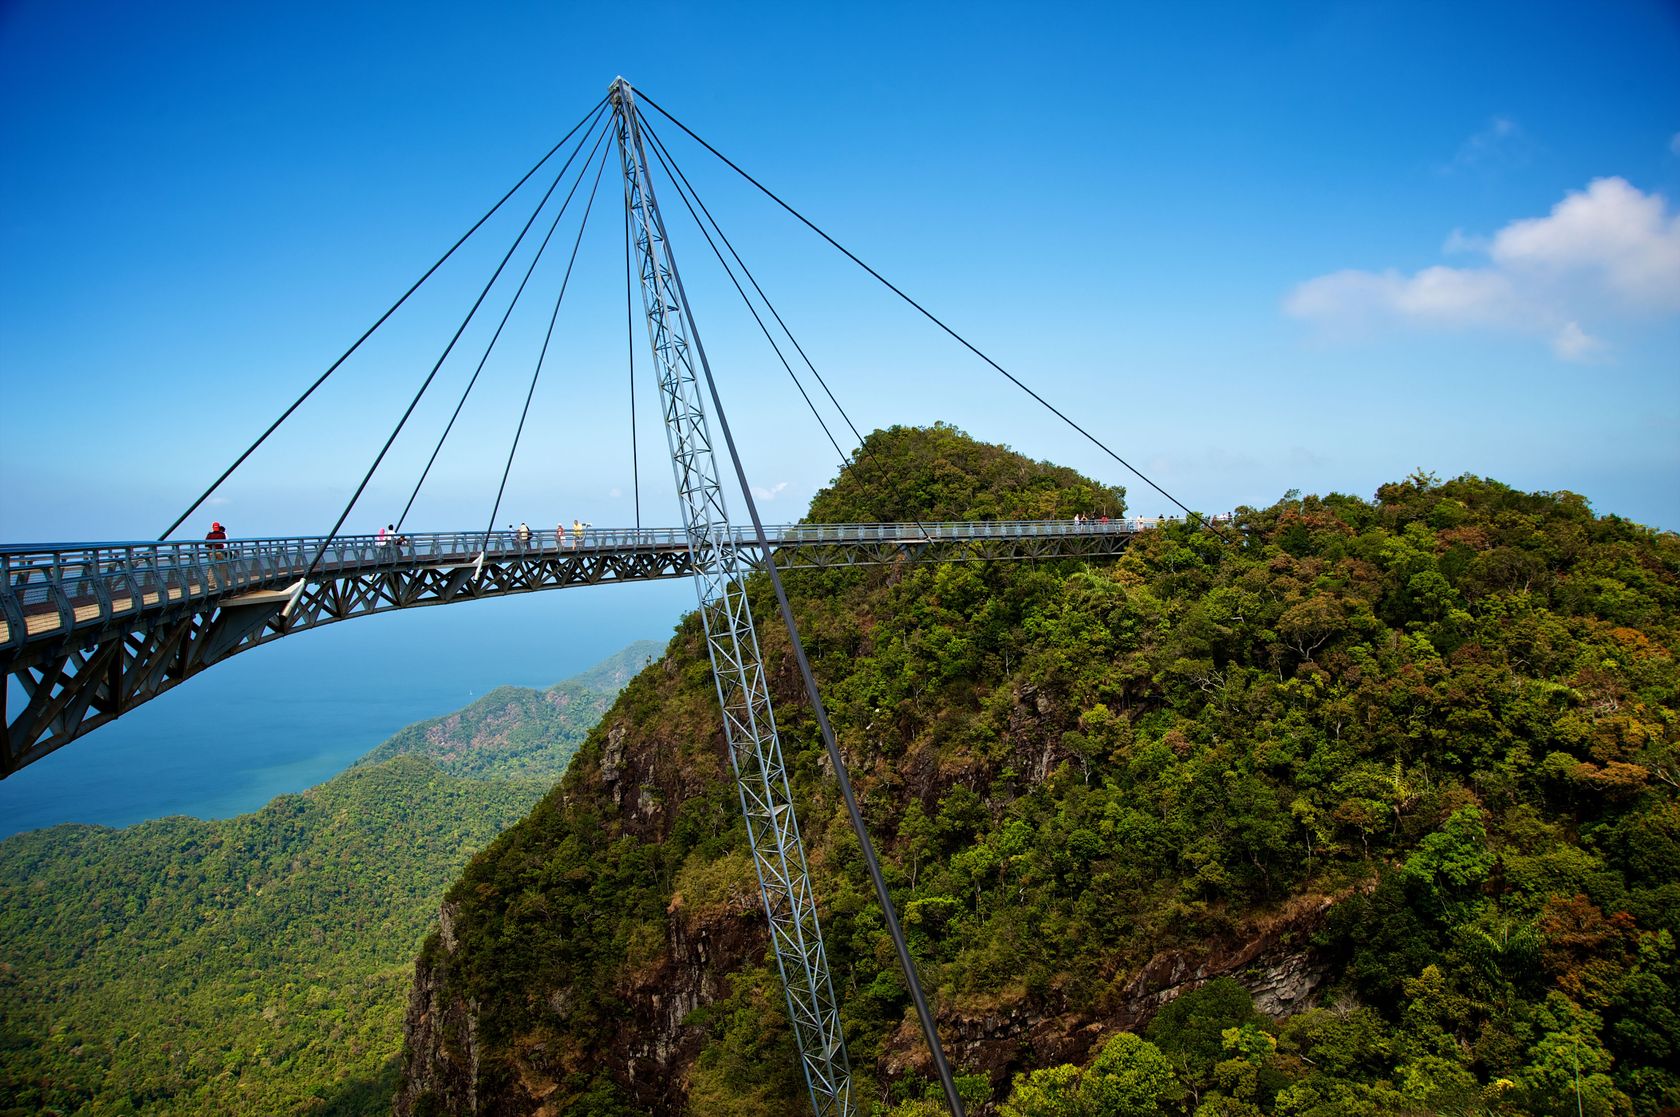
(89, 631)
(54, 589)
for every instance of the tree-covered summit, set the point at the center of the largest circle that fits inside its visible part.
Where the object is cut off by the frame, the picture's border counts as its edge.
(939, 473)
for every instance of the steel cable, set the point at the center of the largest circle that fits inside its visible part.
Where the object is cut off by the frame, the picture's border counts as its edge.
(432, 375)
(659, 144)
(555, 224)
(830, 744)
(866, 845)
(670, 164)
(322, 379)
(542, 356)
(657, 154)
(930, 316)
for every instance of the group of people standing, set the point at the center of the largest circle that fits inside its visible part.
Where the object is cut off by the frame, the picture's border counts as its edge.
(523, 534)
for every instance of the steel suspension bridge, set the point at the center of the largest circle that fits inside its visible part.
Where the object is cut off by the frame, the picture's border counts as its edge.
(89, 631)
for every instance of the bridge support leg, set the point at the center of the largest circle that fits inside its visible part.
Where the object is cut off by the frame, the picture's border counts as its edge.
(721, 572)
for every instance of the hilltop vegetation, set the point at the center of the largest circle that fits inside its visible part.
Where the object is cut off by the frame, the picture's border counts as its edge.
(259, 964)
(1422, 747)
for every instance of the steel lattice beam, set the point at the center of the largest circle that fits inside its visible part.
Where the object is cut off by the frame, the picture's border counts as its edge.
(720, 579)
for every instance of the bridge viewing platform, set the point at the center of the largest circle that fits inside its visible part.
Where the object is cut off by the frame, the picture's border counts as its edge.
(90, 630)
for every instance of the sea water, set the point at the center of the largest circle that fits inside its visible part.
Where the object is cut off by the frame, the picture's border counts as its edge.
(288, 715)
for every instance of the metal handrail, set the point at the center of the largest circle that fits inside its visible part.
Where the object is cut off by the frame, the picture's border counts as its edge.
(472, 542)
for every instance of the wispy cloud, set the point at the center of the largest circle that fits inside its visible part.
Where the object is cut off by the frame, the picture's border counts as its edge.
(1502, 143)
(1459, 242)
(1572, 343)
(772, 492)
(1674, 143)
(1607, 251)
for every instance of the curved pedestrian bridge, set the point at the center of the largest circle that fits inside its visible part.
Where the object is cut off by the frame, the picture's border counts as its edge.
(90, 630)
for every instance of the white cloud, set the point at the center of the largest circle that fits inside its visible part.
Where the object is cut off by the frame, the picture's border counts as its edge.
(1610, 249)
(1674, 143)
(1614, 231)
(1454, 295)
(1437, 295)
(615, 492)
(771, 493)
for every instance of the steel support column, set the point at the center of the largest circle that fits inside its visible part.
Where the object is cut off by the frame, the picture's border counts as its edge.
(720, 576)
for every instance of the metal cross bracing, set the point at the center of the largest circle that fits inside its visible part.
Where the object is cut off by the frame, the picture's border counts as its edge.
(91, 630)
(720, 577)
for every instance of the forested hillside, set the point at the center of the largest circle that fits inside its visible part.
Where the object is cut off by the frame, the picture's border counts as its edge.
(1376, 797)
(259, 964)
(516, 731)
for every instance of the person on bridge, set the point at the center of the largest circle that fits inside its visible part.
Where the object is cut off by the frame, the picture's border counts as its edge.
(523, 535)
(577, 532)
(217, 535)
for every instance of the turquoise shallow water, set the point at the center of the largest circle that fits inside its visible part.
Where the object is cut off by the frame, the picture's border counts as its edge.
(284, 717)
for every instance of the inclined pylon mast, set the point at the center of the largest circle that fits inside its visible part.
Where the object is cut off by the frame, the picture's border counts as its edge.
(721, 570)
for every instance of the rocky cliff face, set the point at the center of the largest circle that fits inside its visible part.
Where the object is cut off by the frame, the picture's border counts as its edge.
(441, 1037)
(651, 1050)
(1272, 959)
(652, 1047)
(713, 933)
(647, 1046)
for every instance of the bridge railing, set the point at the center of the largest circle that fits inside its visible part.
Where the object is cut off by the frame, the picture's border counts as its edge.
(917, 532)
(61, 586)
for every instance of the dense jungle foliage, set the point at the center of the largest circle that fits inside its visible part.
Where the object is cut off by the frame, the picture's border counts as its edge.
(261, 964)
(1449, 711)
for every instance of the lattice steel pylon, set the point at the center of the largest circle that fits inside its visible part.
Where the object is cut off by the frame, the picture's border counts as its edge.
(720, 573)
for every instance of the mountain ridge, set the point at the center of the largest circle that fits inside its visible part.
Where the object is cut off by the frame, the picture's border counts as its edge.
(510, 731)
(1346, 749)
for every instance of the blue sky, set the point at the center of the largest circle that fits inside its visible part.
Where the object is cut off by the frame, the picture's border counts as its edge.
(1254, 247)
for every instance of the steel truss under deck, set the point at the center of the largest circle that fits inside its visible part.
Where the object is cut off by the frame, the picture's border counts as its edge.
(720, 576)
